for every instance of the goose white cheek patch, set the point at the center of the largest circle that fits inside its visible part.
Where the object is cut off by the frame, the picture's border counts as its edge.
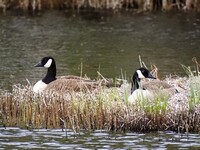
(48, 64)
(140, 75)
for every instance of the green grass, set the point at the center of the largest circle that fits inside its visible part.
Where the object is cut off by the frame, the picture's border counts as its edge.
(194, 99)
(194, 84)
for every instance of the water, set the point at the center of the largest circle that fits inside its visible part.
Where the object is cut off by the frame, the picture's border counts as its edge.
(91, 42)
(97, 41)
(15, 138)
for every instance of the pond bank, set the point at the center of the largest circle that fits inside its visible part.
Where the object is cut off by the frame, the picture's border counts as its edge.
(137, 5)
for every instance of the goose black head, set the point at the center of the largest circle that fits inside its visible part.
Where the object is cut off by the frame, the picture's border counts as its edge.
(50, 64)
(139, 74)
(143, 73)
(46, 62)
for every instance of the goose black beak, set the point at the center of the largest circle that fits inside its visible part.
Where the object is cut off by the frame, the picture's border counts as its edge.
(38, 65)
(151, 76)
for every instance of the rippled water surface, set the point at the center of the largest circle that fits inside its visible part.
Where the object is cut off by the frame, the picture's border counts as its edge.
(15, 138)
(99, 41)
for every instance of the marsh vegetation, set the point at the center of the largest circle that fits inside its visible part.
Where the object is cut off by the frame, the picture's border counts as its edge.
(106, 108)
(115, 5)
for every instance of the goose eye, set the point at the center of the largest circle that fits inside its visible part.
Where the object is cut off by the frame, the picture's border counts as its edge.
(143, 72)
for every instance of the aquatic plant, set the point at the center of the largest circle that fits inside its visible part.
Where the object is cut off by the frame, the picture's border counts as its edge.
(194, 83)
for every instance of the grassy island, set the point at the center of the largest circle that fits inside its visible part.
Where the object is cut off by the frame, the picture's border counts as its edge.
(106, 108)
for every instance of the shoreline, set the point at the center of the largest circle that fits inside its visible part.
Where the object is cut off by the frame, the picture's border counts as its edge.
(115, 6)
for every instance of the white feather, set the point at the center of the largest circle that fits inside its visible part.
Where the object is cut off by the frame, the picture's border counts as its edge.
(48, 64)
(39, 87)
(140, 94)
(140, 75)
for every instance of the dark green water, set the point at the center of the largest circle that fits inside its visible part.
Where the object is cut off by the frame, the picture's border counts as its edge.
(100, 41)
(15, 138)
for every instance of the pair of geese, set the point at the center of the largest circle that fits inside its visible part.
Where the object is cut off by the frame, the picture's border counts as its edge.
(75, 83)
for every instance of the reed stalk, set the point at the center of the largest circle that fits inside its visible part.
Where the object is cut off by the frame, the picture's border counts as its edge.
(114, 5)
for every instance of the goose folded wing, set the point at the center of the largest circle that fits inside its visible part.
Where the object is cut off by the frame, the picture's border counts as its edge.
(70, 84)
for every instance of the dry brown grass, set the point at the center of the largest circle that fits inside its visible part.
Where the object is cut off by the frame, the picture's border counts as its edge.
(106, 109)
(115, 5)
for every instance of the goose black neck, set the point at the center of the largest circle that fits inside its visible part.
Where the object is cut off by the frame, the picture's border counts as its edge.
(135, 83)
(51, 74)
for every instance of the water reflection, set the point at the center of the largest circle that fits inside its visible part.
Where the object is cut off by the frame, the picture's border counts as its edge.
(15, 138)
(100, 41)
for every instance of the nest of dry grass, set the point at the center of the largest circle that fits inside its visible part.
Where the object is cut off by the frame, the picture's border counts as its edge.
(106, 109)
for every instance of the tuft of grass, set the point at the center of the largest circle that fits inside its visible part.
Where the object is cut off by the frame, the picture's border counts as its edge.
(194, 92)
(194, 83)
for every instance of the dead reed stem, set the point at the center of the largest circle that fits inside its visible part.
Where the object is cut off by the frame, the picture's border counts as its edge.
(115, 5)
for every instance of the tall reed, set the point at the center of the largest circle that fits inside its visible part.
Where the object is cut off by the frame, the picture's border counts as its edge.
(115, 5)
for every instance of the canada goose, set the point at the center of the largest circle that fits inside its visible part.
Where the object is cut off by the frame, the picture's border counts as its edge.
(63, 83)
(147, 90)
